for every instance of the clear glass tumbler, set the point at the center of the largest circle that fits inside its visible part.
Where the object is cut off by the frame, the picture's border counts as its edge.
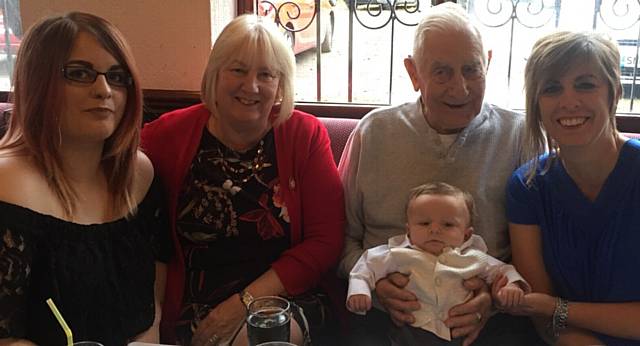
(268, 319)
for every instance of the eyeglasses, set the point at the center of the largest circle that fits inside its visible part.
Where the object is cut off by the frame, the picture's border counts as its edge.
(87, 75)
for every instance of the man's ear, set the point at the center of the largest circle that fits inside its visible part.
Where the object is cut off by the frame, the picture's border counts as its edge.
(412, 70)
(489, 55)
(467, 233)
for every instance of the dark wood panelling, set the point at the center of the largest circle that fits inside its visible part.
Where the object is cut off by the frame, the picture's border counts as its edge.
(628, 122)
(161, 101)
(157, 102)
(335, 110)
(245, 6)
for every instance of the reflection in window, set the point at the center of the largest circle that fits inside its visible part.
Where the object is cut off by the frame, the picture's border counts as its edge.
(10, 37)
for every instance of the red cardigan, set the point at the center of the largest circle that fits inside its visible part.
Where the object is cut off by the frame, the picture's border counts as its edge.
(312, 192)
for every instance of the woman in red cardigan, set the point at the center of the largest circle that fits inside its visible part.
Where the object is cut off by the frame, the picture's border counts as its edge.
(254, 196)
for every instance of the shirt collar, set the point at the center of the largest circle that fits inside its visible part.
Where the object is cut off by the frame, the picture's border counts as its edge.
(474, 242)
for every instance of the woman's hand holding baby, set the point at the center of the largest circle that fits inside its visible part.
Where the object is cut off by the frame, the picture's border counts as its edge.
(510, 298)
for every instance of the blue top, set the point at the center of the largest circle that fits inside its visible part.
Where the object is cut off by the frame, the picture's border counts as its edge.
(589, 248)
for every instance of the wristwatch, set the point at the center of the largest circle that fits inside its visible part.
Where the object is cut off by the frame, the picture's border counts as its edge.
(246, 298)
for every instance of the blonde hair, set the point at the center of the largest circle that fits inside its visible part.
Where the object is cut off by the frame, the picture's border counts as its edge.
(444, 189)
(246, 36)
(551, 57)
(38, 102)
(447, 16)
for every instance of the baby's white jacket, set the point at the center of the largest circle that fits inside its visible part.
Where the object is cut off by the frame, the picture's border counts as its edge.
(435, 280)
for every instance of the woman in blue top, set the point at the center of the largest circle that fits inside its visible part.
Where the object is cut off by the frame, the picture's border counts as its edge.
(573, 211)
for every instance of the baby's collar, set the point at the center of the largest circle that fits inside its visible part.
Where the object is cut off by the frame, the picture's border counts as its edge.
(399, 241)
(475, 241)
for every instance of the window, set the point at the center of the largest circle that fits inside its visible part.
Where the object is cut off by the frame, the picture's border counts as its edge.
(511, 29)
(361, 47)
(358, 46)
(10, 37)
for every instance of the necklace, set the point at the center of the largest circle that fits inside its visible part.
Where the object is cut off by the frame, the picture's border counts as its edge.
(238, 170)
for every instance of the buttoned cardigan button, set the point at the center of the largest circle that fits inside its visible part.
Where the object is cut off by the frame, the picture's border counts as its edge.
(292, 184)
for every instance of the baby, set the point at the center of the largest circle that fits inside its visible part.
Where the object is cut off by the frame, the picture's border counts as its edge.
(438, 252)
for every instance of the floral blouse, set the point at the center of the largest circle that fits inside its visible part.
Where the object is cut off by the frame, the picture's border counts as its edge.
(231, 222)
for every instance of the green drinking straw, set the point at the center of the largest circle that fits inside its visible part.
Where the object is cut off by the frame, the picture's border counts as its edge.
(63, 324)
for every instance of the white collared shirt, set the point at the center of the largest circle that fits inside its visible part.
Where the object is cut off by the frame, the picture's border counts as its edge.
(435, 280)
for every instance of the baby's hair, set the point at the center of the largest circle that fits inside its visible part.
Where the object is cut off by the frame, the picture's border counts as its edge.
(443, 189)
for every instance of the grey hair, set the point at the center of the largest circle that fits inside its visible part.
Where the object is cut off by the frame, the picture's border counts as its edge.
(447, 16)
(246, 36)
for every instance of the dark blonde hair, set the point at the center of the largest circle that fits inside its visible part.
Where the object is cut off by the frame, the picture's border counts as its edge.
(551, 57)
(246, 36)
(38, 102)
(443, 189)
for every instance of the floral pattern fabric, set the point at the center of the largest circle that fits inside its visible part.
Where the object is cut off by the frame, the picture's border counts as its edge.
(232, 223)
(15, 266)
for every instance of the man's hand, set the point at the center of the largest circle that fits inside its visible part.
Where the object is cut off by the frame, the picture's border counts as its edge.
(468, 319)
(399, 302)
(359, 303)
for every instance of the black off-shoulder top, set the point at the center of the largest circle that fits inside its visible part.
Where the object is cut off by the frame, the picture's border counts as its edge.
(100, 276)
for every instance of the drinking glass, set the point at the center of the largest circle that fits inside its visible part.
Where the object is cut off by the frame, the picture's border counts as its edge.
(268, 319)
(277, 343)
(87, 343)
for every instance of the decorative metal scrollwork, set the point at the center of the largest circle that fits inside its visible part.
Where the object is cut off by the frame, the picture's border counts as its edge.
(292, 11)
(394, 10)
(619, 14)
(494, 13)
(529, 13)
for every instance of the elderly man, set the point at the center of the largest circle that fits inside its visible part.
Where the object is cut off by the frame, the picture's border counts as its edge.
(449, 134)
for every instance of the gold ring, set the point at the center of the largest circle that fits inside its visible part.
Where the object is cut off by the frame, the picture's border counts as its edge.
(213, 340)
(478, 316)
